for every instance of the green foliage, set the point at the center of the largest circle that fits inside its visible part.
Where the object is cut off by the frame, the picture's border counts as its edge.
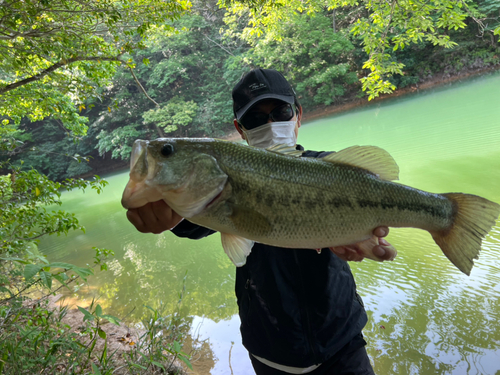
(47, 148)
(185, 72)
(23, 217)
(160, 345)
(383, 27)
(34, 338)
(56, 54)
(487, 17)
(317, 60)
(119, 141)
(177, 112)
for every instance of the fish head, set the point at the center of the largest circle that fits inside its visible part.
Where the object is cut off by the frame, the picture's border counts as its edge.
(181, 171)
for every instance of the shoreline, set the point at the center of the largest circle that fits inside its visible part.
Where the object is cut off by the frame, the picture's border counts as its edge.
(347, 105)
(352, 103)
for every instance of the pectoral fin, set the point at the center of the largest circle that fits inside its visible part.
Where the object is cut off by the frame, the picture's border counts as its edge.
(372, 158)
(237, 248)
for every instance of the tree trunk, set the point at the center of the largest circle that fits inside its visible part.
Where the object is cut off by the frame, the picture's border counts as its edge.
(333, 21)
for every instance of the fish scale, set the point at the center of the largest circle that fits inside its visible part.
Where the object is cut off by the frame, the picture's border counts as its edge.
(274, 197)
(343, 197)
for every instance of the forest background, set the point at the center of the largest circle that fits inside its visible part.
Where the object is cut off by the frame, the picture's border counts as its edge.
(81, 80)
(176, 79)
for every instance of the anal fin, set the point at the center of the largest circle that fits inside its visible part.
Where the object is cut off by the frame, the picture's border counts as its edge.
(237, 248)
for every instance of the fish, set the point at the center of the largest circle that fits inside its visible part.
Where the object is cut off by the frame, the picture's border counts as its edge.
(273, 196)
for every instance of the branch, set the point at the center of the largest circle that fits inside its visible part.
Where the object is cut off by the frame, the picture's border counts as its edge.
(217, 44)
(11, 34)
(35, 237)
(141, 87)
(158, 129)
(53, 68)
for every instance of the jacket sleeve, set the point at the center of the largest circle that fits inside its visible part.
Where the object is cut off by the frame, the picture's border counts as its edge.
(189, 230)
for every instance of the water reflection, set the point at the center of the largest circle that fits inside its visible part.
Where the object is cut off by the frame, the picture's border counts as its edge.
(425, 317)
(225, 343)
(431, 319)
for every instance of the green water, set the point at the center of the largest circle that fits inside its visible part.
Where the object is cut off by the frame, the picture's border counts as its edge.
(425, 317)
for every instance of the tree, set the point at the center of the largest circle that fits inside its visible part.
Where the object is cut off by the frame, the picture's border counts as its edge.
(177, 112)
(56, 54)
(315, 58)
(188, 73)
(382, 27)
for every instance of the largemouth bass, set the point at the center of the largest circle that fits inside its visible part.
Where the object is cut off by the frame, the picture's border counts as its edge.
(277, 198)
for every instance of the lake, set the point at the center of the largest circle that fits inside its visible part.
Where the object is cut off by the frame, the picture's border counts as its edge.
(425, 317)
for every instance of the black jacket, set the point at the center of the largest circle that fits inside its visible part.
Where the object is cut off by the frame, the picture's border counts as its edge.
(297, 307)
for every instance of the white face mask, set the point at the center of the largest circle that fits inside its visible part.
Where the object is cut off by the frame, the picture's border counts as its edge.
(273, 133)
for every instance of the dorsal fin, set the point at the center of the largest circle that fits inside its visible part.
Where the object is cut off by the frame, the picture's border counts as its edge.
(372, 158)
(285, 150)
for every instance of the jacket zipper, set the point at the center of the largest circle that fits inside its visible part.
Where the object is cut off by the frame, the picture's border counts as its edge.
(306, 311)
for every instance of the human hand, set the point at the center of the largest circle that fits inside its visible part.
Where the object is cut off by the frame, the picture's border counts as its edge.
(154, 217)
(375, 248)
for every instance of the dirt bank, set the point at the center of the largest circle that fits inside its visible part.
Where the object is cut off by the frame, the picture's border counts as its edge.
(120, 339)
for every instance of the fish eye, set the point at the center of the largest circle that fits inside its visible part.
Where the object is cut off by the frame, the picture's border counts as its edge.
(167, 150)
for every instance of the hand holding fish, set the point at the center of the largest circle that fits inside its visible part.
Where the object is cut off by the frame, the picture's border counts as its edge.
(376, 248)
(154, 217)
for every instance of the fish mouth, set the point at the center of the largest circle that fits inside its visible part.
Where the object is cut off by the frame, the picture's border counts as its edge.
(138, 160)
(128, 193)
(138, 194)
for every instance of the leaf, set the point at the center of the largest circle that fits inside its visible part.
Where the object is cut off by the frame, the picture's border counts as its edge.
(37, 191)
(87, 315)
(46, 278)
(186, 361)
(158, 364)
(95, 369)
(66, 266)
(62, 279)
(111, 319)
(83, 272)
(31, 270)
(101, 334)
(176, 346)
(22, 261)
(98, 311)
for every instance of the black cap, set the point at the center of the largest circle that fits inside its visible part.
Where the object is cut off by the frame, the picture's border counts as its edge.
(257, 85)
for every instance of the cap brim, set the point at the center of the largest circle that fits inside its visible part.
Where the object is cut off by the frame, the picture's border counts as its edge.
(286, 98)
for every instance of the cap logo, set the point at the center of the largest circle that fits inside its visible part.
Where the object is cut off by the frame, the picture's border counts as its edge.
(256, 86)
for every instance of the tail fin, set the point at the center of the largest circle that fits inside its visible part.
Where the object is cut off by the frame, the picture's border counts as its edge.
(474, 218)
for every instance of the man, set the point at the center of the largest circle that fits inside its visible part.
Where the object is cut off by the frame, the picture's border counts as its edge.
(299, 309)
